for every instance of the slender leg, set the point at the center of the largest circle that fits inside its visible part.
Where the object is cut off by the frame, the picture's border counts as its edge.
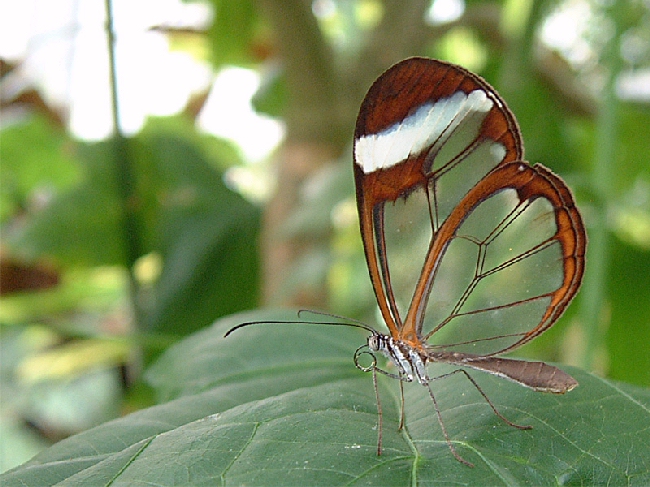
(444, 429)
(487, 399)
(401, 408)
(379, 412)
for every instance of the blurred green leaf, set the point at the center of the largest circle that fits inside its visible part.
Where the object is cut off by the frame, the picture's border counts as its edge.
(34, 157)
(549, 144)
(91, 291)
(207, 236)
(232, 31)
(632, 149)
(59, 396)
(79, 227)
(271, 97)
(219, 153)
(245, 413)
(327, 188)
(18, 442)
(205, 232)
(627, 336)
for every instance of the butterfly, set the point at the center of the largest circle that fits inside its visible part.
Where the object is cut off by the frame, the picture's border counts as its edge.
(498, 245)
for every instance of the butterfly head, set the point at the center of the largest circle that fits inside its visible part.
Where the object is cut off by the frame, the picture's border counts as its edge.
(409, 362)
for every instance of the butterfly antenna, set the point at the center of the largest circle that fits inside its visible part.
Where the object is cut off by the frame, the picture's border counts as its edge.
(332, 315)
(354, 324)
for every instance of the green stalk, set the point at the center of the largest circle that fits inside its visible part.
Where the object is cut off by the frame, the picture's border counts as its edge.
(125, 180)
(594, 295)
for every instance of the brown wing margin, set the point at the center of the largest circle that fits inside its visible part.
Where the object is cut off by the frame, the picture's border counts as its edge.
(530, 183)
(573, 239)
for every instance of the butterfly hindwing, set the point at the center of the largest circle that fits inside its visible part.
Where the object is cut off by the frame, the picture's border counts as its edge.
(518, 241)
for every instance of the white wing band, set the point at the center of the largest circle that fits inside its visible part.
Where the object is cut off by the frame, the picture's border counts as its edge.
(418, 131)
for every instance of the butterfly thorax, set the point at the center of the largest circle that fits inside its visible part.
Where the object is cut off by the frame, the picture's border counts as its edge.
(409, 362)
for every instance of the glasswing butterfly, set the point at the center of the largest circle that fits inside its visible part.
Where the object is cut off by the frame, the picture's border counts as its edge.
(498, 245)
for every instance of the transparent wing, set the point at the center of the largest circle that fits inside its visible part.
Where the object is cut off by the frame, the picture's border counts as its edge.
(427, 133)
(511, 259)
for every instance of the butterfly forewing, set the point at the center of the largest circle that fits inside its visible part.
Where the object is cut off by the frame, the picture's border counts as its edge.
(427, 132)
(443, 194)
(457, 161)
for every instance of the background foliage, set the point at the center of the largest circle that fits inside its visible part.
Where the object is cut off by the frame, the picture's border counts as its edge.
(114, 250)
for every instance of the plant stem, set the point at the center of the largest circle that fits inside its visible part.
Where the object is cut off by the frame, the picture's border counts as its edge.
(125, 181)
(594, 296)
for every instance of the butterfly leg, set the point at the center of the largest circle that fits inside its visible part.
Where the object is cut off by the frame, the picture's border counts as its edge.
(401, 379)
(487, 399)
(442, 425)
(374, 369)
(401, 407)
(379, 411)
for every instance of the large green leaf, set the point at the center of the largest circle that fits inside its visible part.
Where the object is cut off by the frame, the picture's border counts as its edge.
(284, 405)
